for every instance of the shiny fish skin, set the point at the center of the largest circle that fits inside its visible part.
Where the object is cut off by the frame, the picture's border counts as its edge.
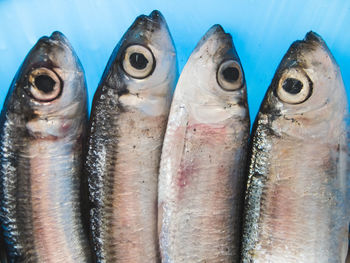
(127, 125)
(42, 125)
(296, 208)
(201, 180)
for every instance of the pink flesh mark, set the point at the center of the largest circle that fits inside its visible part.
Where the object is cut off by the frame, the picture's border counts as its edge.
(211, 134)
(185, 171)
(221, 171)
(282, 212)
(283, 198)
(65, 126)
(198, 137)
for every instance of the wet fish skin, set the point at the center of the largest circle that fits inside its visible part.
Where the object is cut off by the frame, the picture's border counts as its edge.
(42, 126)
(201, 180)
(127, 125)
(296, 207)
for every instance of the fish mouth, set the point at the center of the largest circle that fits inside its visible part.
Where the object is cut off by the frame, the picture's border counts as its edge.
(217, 30)
(313, 37)
(155, 17)
(61, 39)
(315, 41)
(56, 38)
(311, 42)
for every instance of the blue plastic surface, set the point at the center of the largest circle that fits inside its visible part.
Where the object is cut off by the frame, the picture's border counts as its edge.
(262, 32)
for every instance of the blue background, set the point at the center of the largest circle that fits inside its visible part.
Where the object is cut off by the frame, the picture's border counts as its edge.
(262, 32)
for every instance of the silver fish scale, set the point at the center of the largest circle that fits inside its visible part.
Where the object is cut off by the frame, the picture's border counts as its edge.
(14, 221)
(257, 175)
(102, 146)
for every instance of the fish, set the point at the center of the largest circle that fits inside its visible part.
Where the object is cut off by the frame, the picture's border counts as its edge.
(42, 125)
(296, 205)
(203, 161)
(125, 135)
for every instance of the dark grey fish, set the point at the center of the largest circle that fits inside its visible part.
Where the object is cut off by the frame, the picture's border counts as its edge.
(127, 125)
(42, 127)
(296, 207)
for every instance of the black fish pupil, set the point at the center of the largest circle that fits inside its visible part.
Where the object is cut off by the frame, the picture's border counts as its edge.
(138, 60)
(230, 74)
(45, 83)
(292, 86)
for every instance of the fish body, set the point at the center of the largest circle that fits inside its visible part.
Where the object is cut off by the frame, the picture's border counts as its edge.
(296, 207)
(201, 180)
(127, 125)
(42, 126)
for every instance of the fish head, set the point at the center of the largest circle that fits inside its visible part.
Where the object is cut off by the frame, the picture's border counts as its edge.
(213, 80)
(307, 93)
(143, 67)
(49, 89)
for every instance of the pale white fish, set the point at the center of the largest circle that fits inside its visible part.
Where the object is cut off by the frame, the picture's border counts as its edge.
(201, 180)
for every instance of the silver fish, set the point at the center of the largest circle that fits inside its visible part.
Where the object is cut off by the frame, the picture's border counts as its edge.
(296, 207)
(127, 124)
(42, 126)
(201, 180)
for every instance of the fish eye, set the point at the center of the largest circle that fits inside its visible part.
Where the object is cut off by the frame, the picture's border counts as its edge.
(44, 84)
(138, 61)
(294, 86)
(229, 75)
